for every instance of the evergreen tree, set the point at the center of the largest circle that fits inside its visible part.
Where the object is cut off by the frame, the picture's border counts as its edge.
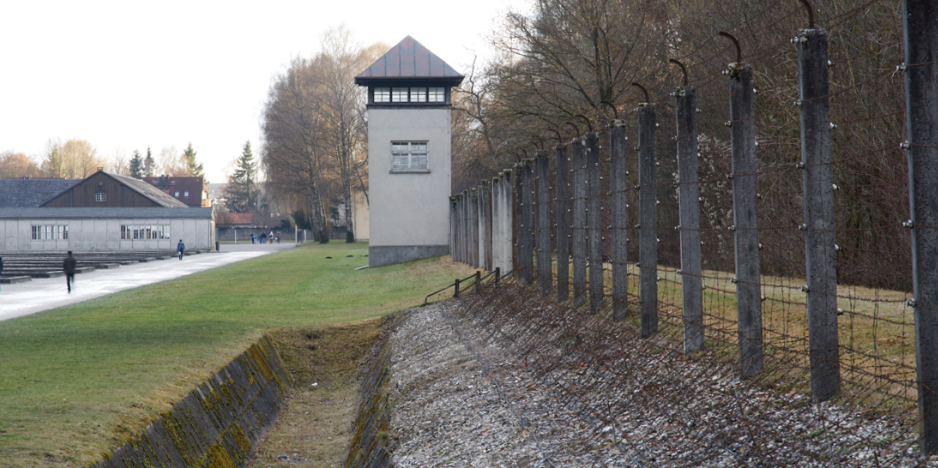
(52, 165)
(241, 191)
(192, 168)
(136, 165)
(148, 164)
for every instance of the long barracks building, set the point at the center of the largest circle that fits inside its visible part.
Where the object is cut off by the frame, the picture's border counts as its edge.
(102, 212)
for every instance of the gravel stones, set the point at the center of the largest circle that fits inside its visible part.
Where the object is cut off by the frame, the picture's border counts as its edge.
(475, 384)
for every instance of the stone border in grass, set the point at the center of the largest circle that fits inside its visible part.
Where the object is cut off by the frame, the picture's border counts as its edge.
(219, 422)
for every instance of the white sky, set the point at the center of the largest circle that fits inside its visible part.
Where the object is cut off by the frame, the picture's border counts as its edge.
(127, 75)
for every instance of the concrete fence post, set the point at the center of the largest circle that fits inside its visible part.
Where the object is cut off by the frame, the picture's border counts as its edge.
(920, 21)
(579, 222)
(496, 223)
(562, 207)
(648, 219)
(542, 221)
(487, 212)
(594, 220)
(517, 216)
(452, 228)
(480, 207)
(745, 220)
(474, 227)
(619, 227)
(820, 256)
(508, 262)
(527, 213)
(467, 220)
(463, 234)
(456, 227)
(689, 212)
(477, 227)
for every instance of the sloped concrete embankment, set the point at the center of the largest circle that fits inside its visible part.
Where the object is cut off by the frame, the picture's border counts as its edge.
(219, 423)
(368, 447)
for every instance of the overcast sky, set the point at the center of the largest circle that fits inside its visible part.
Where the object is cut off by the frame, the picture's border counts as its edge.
(128, 75)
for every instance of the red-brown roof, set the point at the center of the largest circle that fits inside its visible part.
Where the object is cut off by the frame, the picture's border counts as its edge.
(234, 219)
(409, 59)
(181, 186)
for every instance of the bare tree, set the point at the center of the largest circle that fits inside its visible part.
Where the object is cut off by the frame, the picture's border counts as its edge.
(119, 162)
(343, 102)
(294, 159)
(75, 159)
(17, 165)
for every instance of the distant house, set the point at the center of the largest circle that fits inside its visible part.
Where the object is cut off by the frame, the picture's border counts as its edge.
(189, 190)
(107, 190)
(105, 211)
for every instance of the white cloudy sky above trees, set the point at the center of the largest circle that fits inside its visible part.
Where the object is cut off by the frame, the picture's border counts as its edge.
(128, 75)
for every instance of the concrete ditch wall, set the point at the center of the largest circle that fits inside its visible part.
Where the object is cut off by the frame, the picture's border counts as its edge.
(368, 448)
(219, 423)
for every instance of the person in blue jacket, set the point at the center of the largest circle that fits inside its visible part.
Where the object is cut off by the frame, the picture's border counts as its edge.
(180, 248)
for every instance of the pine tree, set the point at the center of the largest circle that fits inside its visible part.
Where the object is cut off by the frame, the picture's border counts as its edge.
(136, 165)
(148, 164)
(192, 168)
(241, 191)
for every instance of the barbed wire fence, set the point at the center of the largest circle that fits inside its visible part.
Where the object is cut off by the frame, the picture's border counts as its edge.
(685, 241)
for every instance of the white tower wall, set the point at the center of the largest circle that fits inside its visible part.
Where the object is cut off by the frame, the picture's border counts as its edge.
(409, 210)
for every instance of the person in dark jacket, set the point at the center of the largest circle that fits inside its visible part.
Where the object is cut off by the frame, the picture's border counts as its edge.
(1, 265)
(180, 248)
(68, 266)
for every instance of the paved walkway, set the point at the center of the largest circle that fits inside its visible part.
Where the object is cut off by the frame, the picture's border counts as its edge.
(17, 300)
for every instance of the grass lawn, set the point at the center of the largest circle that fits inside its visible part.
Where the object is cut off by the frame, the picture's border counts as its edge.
(77, 381)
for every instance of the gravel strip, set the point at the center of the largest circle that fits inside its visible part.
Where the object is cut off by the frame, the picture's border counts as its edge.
(463, 398)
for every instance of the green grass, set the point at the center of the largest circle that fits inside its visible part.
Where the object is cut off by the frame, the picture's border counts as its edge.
(79, 380)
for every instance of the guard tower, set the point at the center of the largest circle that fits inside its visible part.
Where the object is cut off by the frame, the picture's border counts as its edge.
(408, 153)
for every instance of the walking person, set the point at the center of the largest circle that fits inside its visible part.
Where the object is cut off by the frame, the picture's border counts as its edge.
(180, 248)
(1, 266)
(68, 266)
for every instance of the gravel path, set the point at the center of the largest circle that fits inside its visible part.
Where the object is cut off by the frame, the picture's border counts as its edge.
(463, 399)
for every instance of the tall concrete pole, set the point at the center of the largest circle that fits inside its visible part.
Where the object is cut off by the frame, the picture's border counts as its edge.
(820, 255)
(563, 223)
(542, 222)
(594, 220)
(619, 227)
(648, 219)
(920, 20)
(689, 212)
(527, 232)
(745, 220)
(579, 222)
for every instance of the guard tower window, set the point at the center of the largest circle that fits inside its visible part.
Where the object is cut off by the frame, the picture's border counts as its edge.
(409, 156)
(382, 94)
(418, 94)
(437, 94)
(398, 94)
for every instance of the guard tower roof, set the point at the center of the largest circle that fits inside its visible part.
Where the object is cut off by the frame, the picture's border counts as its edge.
(409, 61)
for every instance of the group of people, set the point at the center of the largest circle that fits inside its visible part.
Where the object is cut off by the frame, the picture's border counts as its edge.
(264, 238)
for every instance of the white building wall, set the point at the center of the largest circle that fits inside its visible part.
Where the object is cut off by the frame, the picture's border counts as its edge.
(360, 215)
(104, 234)
(409, 209)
